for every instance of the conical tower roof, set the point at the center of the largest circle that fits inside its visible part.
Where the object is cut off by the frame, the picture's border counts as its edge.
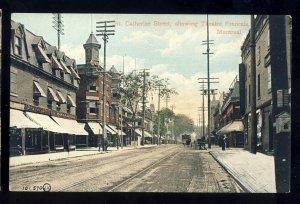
(92, 39)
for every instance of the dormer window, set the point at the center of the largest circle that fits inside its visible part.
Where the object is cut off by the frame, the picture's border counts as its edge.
(41, 53)
(18, 45)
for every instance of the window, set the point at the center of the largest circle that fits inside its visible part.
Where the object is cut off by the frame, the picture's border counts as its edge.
(68, 107)
(268, 38)
(58, 106)
(18, 45)
(269, 78)
(37, 93)
(249, 96)
(62, 74)
(258, 54)
(13, 82)
(93, 87)
(51, 96)
(246, 67)
(258, 86)
(70, 103)
(93, 107)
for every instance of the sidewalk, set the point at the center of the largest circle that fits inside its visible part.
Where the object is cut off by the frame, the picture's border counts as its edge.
(38, 158)
(255, 172)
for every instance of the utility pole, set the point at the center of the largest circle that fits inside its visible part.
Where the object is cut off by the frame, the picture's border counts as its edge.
(253, 88)
(105, 33)
(173, 135)
(58, 26)
(158, 113)
(167, 99)
(144, 106)
(121, 107)
(207, 92)
(207, 42)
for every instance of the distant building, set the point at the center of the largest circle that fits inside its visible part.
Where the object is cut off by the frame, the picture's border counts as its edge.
(43, 86)
(273, 65)
(231, 123)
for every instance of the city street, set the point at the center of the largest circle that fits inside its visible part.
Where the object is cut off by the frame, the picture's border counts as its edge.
(164, 168)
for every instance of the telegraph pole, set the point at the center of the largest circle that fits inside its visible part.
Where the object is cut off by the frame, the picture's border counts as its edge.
(253, 88)
(167, 99)
(144, 106)
(208, 92)
(207, 42)
(58, 26)
(173, 107)
(158, 113)
(105, 33)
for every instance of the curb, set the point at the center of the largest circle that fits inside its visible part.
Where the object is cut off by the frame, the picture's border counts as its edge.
(246, 190)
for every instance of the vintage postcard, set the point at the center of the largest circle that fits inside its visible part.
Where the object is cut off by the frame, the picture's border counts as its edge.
(150, 103)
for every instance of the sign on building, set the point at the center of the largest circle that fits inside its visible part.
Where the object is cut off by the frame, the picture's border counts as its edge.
(283, 123)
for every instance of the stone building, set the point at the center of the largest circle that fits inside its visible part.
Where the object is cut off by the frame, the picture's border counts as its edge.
(43, 86)
(273, 55)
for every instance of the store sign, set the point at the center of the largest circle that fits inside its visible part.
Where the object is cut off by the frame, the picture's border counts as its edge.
(282, 98)
(283, 123)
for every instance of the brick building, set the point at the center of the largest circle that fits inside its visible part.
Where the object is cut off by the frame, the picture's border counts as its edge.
(43, 86)
(90, 96)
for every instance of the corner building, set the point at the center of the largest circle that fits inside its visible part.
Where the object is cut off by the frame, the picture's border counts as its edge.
(43, 86)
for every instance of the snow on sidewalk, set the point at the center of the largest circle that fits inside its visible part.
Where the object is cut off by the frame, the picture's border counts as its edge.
(256, 172)
(38, 158)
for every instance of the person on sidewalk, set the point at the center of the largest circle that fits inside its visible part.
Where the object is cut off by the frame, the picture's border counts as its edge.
(223, 142)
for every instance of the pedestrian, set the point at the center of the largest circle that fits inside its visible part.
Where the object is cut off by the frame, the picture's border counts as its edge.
(227, 142)
(223, 142)
(105, 144)
(68, 145)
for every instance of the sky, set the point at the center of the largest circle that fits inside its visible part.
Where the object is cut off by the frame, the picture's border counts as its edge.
(170, 46)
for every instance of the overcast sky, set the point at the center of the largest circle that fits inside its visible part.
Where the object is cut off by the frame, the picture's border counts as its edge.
(169, 45)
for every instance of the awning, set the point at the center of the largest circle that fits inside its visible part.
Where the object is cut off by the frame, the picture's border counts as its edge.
(52, 94)
(72, 126)
(56, 64)
(235, 126)
(65, 67)
(95, 127)
(109, 130)
(116, 130)
(38, 90)
(70, 100)
(74, 72)
(147, 134)
(127, 110)
(43, 54)
(19, 120)
(45, 122)
(61, 97)
(138, 131)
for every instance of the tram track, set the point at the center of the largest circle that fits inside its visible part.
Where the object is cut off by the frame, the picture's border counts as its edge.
(81, 164)
(123, 182)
